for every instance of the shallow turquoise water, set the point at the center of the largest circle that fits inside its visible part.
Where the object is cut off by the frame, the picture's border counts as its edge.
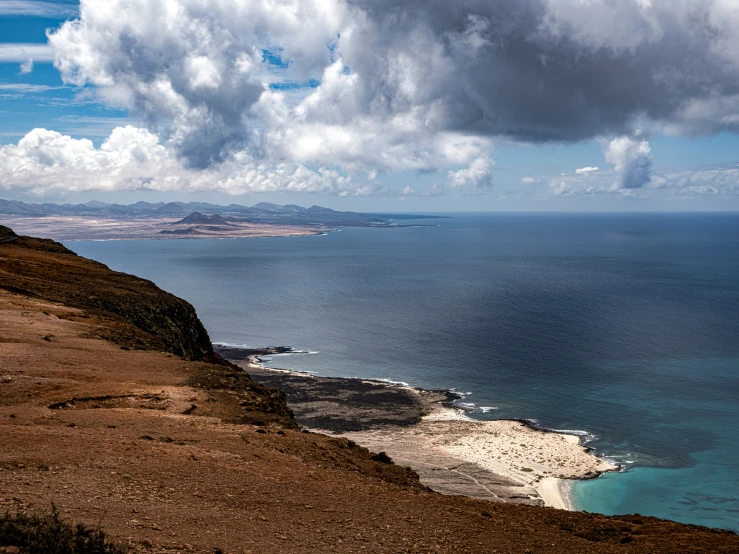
(694, 401)
(691, 495)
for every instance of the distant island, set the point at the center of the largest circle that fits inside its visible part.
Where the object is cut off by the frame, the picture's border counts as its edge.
(142, 220)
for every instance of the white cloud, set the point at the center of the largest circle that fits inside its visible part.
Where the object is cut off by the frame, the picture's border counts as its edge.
(529, 180)
(688, 184)
(632, 160)
(202, 81)
(23, 88)
(720, 181)
(199, 76)
(396, 85)
(36, 8)
(26, 67)
(478, 175)
(14, 52)
(134, 159)
(583, 185)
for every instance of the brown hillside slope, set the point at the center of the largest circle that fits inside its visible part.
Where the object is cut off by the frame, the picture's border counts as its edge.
(176, 455)
(168, 323)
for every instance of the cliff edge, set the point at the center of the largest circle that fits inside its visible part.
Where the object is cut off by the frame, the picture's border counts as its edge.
(46, 269)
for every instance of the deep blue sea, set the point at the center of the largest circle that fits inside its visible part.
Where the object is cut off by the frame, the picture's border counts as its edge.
(623, 326)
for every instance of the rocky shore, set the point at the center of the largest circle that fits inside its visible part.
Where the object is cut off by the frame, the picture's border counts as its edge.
(505, 461)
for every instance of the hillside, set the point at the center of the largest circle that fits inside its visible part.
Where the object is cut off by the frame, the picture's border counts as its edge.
(114, 407)
(196, 218)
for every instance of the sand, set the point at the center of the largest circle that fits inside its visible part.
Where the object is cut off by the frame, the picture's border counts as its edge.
(499, 460)
(530, 457)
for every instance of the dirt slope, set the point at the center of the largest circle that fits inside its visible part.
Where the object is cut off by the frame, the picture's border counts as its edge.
(46, 269)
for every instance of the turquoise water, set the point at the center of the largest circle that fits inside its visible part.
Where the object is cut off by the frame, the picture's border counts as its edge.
(694, 401)
(622, 327)
(691, 495)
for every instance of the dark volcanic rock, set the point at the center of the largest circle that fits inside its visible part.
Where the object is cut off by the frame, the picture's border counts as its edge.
(188, 231)
(339, 404)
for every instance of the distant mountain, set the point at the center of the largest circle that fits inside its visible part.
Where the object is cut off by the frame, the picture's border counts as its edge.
(172, 208)
(268, 207)
(320, 210)
(196, 218)
(16, 207)
(292, 208)
(203, 213)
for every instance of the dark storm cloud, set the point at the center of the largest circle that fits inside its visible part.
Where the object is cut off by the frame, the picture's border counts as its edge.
(536, 71)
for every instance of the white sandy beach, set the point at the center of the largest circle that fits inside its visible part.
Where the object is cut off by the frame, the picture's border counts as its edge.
(529, 464)
(534, 459)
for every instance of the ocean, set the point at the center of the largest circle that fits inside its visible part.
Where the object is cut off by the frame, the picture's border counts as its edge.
(622, 327)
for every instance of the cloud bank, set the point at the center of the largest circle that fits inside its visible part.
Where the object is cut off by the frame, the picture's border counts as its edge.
(359, 86)
(133, 159)
(478, 175)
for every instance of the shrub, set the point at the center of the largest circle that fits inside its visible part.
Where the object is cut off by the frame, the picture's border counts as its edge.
(50, 534)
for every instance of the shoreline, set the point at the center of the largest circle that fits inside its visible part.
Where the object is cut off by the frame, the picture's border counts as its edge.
(505, 460)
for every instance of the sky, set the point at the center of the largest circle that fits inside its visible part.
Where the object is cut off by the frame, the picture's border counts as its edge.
(373, 105)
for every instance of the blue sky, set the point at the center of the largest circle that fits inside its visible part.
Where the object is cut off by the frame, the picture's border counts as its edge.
(61, 107)
(498, 171)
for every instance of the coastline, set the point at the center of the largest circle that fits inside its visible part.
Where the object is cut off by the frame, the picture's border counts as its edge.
(500, 460)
